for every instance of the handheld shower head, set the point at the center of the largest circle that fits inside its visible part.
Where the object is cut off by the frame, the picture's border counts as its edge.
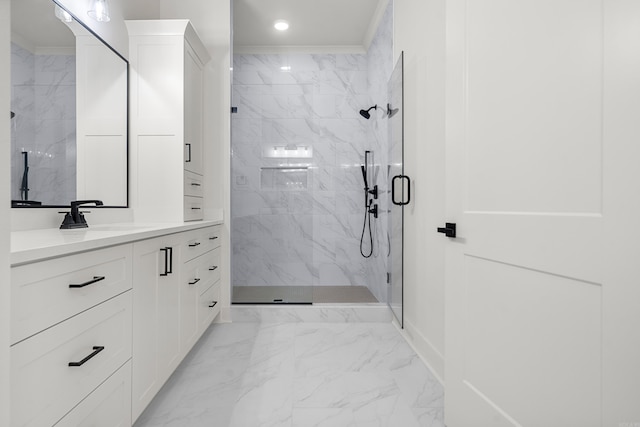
(366, 114)
(364, 176)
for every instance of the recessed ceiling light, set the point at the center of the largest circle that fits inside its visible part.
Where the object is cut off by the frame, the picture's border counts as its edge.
(281, 25)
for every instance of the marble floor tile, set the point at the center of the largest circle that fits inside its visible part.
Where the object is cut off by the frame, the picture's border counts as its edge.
(298, 375)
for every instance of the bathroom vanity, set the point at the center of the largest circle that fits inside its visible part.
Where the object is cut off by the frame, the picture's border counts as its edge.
(101, 317)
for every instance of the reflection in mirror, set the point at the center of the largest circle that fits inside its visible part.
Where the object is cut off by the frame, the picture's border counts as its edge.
(68, 111)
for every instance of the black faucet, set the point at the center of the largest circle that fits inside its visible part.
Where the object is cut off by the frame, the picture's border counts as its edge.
(75, 218)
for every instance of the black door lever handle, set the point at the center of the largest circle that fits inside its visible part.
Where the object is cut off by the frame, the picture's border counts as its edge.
(449, 230)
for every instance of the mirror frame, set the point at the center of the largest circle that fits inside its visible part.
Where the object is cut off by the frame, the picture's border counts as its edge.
(119, 55)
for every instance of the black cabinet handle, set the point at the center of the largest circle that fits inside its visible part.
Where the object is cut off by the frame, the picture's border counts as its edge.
(213, 268)
(90, 282)
(96, 350)
(213, 304)
(449, 229)
(213, 238)
(195, 184)
(194, 281)
(168, 261)
(195, 209)
(193, 245)
(393, 190)
(189, 151)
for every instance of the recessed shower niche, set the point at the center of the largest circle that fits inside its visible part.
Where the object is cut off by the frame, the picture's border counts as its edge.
(292, 172)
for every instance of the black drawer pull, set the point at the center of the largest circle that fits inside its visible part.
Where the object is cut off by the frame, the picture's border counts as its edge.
(195, 209)
(96, 350)
(194, 281)
(213, 304)
(195, 184)
(213, 268)
(193, 245)
(213, 238)
(90, 282)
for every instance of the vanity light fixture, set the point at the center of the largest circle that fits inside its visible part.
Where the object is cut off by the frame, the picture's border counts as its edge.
(62, 14)
(99, 11)
(281, 25)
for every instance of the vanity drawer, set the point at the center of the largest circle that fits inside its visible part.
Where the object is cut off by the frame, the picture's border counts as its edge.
(202, 272)
(44, 387)
(107, 406)
(210, 267)
(192, 184)
(193, 208)
(199, 241)
(41, 295)
(208, 307)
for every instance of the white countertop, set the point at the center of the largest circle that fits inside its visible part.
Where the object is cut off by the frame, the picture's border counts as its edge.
(36, 245)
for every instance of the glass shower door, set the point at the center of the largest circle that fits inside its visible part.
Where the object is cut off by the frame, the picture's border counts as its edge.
(400, 189)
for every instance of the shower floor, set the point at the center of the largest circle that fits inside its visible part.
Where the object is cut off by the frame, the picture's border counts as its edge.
(302, 295)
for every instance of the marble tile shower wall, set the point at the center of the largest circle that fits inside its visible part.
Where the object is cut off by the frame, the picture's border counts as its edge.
(298, 226)
(43, 99)
(297, 145)
(379, 68)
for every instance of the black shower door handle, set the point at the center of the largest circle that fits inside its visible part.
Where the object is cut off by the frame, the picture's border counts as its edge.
(393, 190)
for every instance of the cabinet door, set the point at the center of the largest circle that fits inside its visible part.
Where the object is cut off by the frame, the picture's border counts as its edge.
(156, 318)
(193, 104)
(191, 276)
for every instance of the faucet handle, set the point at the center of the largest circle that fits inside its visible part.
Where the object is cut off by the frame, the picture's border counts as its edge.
(77, 203)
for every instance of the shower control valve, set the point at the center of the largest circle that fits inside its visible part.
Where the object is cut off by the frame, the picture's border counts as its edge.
(374, 209)
(374, 192)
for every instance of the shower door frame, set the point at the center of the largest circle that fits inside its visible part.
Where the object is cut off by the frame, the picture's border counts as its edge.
(395, 112)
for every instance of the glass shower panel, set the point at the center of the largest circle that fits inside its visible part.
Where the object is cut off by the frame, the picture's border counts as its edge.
(397, 183)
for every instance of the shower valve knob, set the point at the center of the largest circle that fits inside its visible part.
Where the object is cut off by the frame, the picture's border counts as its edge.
(374, 192)
(374, 210)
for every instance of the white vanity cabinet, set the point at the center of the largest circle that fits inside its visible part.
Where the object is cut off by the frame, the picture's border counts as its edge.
(156, 316)
(98, 324)
(71, 337)
(167, 62)
(171, 275)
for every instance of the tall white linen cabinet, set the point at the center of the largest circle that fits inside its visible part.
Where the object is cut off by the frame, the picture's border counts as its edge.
(167, 62)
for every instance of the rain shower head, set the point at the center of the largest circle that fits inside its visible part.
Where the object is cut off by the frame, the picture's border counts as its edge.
(365, 113)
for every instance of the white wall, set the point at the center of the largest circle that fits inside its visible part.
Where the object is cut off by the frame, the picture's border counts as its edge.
(113, 32)
(5, 180)
(419, 31)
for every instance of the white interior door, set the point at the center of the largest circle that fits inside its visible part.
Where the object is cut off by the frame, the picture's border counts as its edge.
(533, 331)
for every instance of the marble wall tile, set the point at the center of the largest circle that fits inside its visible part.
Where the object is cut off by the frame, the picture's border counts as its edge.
(22, 66)
(44, 99)
(313, 101)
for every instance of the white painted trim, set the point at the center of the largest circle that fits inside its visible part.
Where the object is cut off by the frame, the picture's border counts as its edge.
(374, 23)
(357, 49)
(424, 349)
(5, 215)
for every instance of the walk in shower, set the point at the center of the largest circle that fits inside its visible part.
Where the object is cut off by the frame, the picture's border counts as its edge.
(298, 151)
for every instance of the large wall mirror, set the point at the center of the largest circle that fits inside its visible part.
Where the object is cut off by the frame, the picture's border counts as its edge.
(68, 110)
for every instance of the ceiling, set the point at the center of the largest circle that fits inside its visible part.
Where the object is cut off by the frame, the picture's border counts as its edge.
(315, 25)
(35, 26)
(337, 26)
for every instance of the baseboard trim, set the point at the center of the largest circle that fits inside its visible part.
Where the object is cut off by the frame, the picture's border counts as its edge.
(424, 349)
